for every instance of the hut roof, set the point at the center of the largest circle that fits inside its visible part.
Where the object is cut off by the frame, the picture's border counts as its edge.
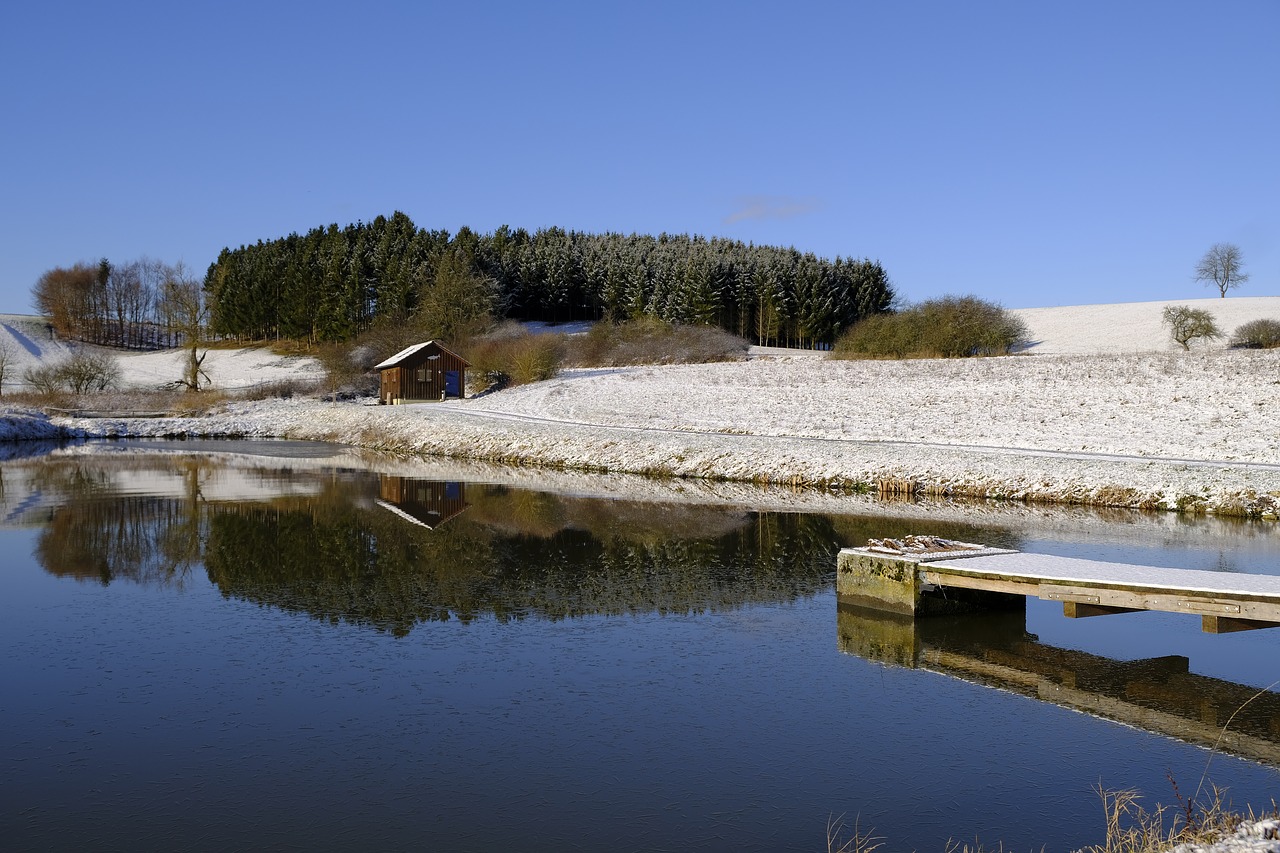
(404, 355)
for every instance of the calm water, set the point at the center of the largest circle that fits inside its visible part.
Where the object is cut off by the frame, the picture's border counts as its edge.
(256, 647)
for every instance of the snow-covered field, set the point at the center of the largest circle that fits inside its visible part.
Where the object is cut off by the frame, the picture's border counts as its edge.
(1132, 326)
(30, 341)
(1132, 421)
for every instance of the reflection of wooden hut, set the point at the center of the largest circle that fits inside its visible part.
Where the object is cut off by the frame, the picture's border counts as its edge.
(426, 371)
(429, 503)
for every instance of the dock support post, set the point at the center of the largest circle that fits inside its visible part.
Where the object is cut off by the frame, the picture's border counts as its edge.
(892, 582)
(1231, 624)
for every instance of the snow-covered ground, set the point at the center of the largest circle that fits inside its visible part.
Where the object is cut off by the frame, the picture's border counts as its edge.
(1153, 427)
(30, 341)
(227, 368)
(1132, 326)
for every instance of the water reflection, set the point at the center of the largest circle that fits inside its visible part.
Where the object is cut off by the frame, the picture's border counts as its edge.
(325, 544)
(388, 551)
(429, 503)
(995, 649)
(341, 558)
(141, 668)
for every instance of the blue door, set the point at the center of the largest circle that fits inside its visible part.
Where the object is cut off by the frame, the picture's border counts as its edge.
(452, 383)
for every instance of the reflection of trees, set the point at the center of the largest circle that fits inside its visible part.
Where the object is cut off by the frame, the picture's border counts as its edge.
(339, 561)
(319, 542)
(143, 539)
(108, 536)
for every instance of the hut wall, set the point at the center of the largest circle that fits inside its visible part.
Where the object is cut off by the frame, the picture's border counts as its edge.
(427, 375)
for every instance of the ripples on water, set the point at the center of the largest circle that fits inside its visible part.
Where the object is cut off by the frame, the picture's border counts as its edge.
(212, 649)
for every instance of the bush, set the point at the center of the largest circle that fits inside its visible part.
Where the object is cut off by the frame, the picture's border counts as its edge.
(1257, 334)
(1186, 324)
(949, 327)
(348, 369)
(513, 356)
(82, 373)
(649, 340)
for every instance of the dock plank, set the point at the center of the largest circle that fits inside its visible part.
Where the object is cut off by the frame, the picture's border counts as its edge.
(1042, 568)
(918, 582)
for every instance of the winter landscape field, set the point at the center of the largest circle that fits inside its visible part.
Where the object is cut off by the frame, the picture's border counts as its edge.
(1101, 407)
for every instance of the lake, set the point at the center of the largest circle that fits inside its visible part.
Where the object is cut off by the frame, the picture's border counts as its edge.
(220, 645)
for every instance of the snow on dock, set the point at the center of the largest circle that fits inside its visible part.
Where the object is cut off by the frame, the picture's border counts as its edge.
(924, 576)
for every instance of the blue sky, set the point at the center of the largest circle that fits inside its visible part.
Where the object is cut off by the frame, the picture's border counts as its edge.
(1032, 153)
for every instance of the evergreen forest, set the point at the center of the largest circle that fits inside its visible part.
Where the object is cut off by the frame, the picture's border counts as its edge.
(334, 283)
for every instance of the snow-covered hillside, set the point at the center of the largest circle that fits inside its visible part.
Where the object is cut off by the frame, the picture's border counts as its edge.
(30, 340)
(1132, 326)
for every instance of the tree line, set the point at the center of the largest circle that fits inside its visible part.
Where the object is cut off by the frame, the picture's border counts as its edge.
(141, 304)
(333, 283)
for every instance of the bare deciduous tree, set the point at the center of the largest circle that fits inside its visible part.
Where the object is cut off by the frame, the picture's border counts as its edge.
(1186, 324)
(7, 355)
(184, 308)
(66, 296)
(458, 303)
(1223, 267)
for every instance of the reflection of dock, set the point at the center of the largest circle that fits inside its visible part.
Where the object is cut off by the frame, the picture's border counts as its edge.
(954, 577)
(994, 649)
(427, 503)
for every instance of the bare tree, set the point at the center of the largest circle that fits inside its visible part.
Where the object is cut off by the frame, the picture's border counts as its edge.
(7, 356)
(1186, 324)
(183, 306)
(83, 373)
(1223, 267)
(341, 363)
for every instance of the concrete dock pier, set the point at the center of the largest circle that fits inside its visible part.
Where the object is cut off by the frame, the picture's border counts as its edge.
(925, 576)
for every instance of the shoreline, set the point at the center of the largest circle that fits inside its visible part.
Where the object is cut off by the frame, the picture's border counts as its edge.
(1193, 432)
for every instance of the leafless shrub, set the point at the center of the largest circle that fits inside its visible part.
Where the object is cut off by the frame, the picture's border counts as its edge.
(282, 389)
(42, 379)
(648, 340)
(83, 373)
(1257, 334)
(7, 355)
(348, 369)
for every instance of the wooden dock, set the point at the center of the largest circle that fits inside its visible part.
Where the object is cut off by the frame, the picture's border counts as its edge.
(924, 576)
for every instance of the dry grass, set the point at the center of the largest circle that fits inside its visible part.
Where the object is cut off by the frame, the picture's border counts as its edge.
(858, 842)
(1131, 828)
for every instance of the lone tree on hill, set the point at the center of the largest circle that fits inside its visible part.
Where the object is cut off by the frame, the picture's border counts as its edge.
(1223, 267)
(183, 306)
(1186, 324)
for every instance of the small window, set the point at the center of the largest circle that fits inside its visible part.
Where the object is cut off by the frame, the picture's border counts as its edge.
(422, 374)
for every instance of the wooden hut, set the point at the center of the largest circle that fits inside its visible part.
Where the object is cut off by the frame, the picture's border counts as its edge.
(426, 371)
